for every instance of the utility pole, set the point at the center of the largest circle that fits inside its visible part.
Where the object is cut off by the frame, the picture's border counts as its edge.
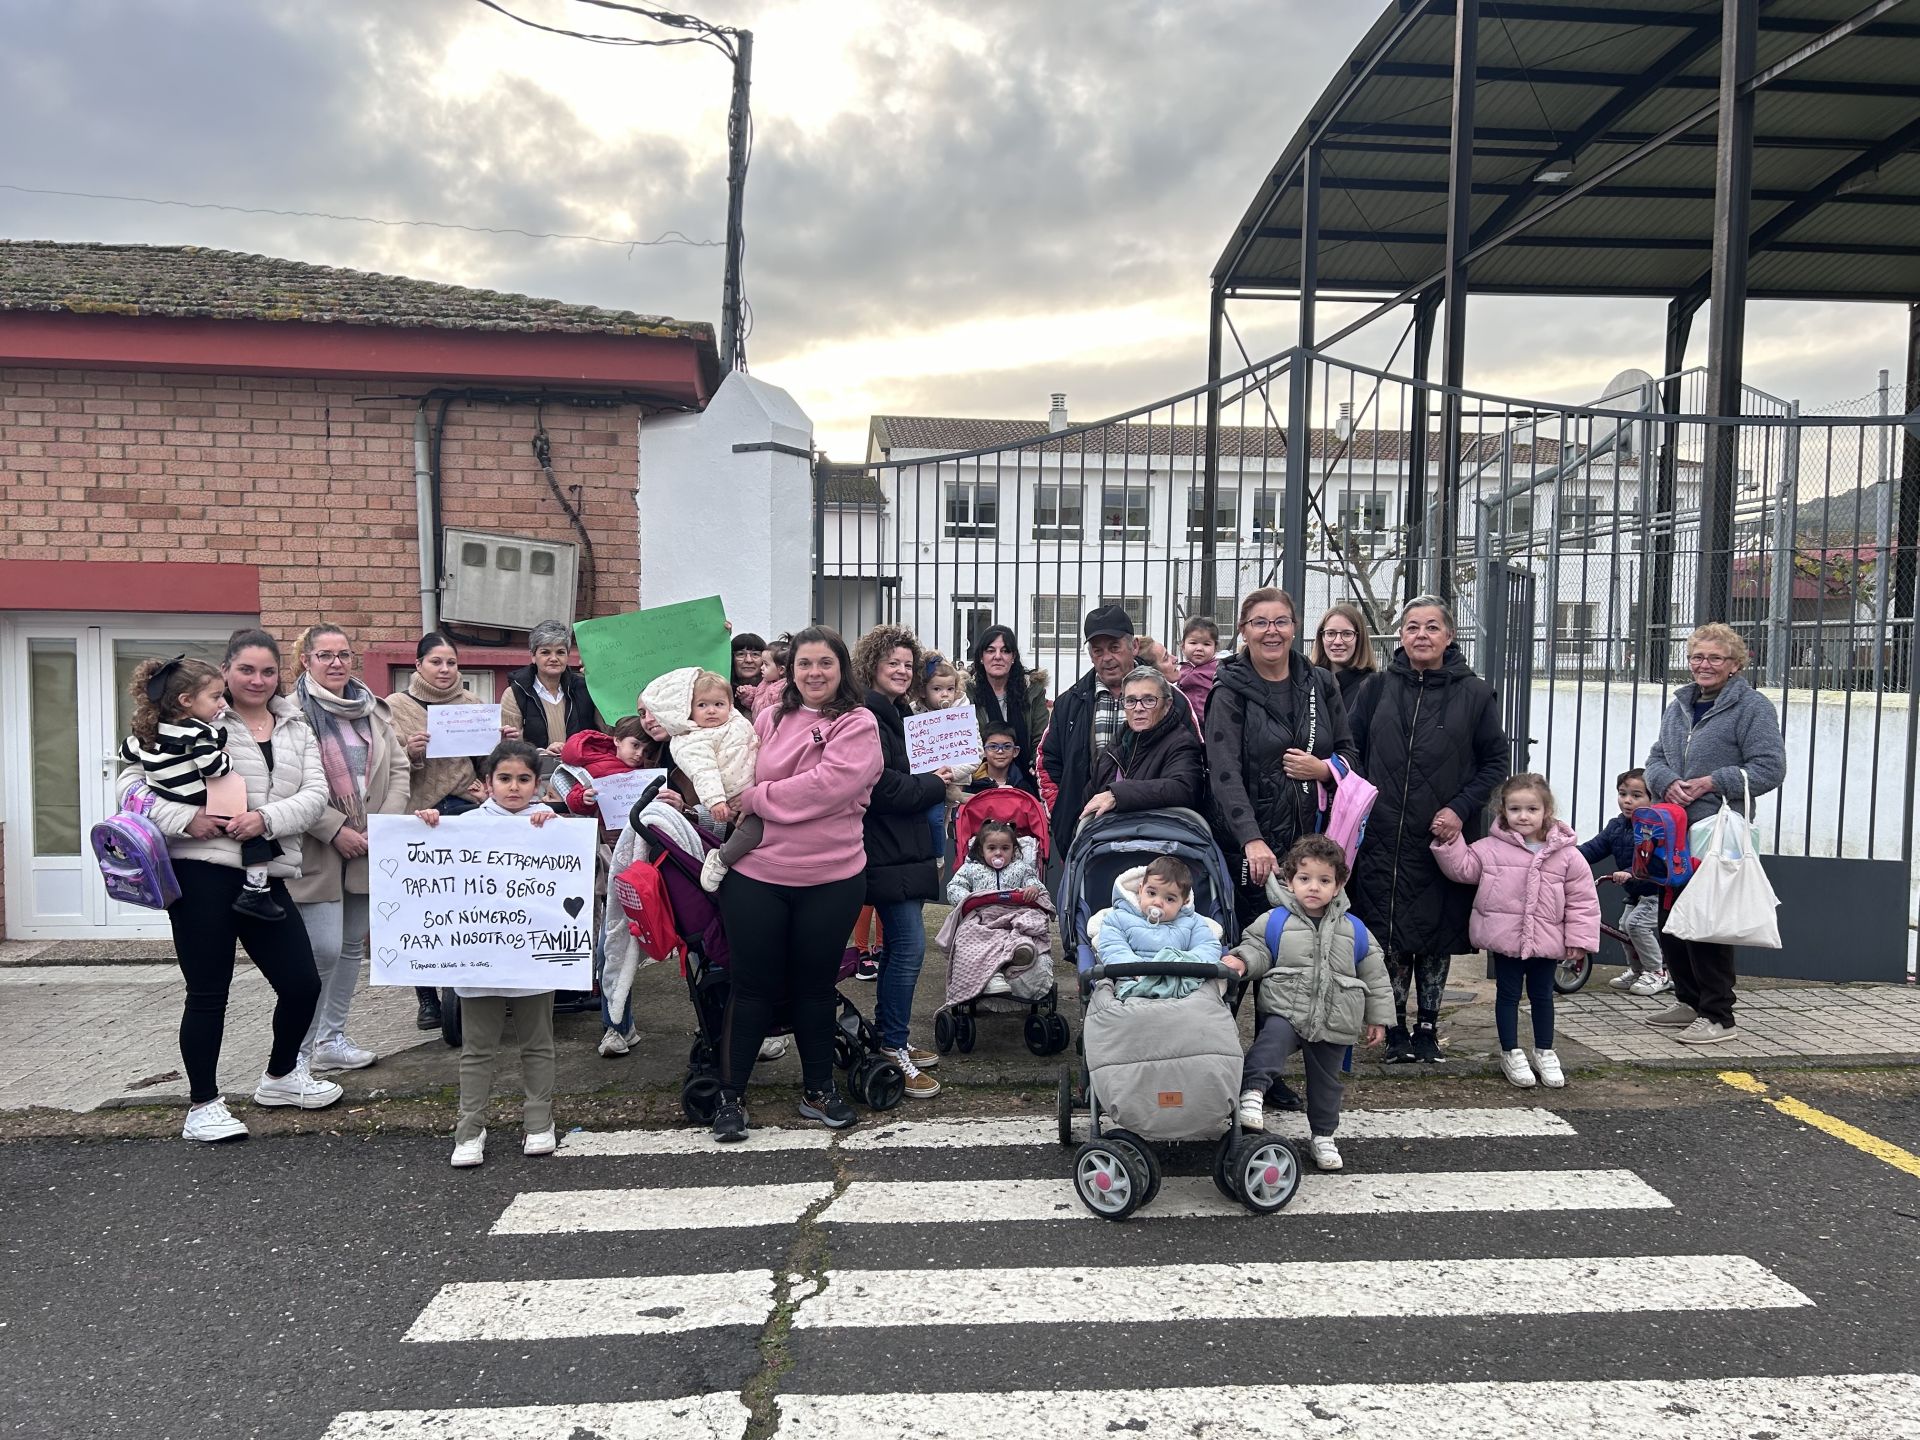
(732, 321)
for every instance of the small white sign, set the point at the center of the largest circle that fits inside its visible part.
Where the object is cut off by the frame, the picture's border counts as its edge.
(949, 737)
(462, 730)
(483, 900)
(615, 794)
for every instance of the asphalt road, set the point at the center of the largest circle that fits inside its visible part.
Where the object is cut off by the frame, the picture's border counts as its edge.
(157, 1289)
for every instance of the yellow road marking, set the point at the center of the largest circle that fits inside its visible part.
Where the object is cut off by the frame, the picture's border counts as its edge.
(1884, 1151)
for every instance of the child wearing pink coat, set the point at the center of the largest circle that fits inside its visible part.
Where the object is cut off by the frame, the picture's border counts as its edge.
(1536, 906)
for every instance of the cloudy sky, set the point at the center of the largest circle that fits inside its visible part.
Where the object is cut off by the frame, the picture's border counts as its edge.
(955, 206)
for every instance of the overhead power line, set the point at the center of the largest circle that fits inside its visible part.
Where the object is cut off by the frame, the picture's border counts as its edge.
(667, 237)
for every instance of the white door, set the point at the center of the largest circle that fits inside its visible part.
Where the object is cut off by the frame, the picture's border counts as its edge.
(64, 679)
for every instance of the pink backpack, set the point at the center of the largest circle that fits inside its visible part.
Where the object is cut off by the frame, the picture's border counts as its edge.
(132, 854)
(1344, 821)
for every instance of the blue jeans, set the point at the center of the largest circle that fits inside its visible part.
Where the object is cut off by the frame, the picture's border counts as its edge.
(937, 824)
(904, 928)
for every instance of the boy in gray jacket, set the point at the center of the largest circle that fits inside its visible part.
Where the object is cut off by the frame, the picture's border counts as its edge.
(1322, 987)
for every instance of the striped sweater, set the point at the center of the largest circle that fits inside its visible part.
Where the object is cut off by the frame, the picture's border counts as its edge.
(185, 755)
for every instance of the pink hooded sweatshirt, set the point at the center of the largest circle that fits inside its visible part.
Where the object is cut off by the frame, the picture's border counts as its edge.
(812, 781)
(1530, 906)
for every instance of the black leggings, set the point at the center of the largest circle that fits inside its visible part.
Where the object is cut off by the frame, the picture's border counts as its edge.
(205, 927)
(1425, 976)
(786, 942)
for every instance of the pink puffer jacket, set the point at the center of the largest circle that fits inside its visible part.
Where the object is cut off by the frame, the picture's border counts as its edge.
(1528, 905)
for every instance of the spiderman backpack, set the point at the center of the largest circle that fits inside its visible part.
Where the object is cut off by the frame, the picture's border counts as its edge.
(1660, 854)
(132, 854)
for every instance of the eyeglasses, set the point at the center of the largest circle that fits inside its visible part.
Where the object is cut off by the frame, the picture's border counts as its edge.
(333, 657)
(1709, 659)
(1001, 748)
(1140, 702)
(1338, 635)
(1260, 626)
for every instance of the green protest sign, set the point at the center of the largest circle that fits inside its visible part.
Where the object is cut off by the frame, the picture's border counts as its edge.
(621, 653)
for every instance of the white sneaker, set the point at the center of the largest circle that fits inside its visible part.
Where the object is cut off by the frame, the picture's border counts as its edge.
(1548, 1064)
(540, 1142)
(469, 1153)
(1326, 1154)
(1252, 1111)
(1513, 1064)
(1625, 980)
(1652, 982)
(297, 1088)
(712, 871)
(341, 1054)
(212, 1122)
(997, 984)
(613, 1043)
(774, 1047)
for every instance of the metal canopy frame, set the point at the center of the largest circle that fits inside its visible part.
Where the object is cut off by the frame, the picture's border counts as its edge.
(1751, 53)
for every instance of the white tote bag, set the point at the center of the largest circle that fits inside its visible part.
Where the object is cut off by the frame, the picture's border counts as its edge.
(1729, 900)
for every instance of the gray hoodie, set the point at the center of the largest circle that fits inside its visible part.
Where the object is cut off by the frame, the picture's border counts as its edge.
(1741, 731)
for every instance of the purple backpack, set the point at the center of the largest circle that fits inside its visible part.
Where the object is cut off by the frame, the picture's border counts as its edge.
(133, 854)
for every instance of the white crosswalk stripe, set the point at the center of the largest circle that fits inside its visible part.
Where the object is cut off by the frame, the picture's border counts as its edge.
(956, 1283)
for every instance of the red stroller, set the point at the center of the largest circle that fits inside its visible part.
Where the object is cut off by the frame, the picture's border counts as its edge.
(705, 957)
(977, 955)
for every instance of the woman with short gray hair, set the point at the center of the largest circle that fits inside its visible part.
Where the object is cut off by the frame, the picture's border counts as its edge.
(546, 701)
(1155, 762)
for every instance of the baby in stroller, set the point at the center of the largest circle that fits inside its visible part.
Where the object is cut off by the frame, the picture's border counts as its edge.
(1000, 861)
(1152, 918)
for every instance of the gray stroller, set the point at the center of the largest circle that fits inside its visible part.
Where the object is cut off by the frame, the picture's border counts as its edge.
(1158, 1069)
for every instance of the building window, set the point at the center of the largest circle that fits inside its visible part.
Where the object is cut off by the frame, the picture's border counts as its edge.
(1057, 512)
(973, 509)
(1056, 619)
(1134, 605)
(1577, 516)
(1266, 516)
(1226, 515)
(1573, 626)
(1123, 511)
(1226, 610)
(971, 615)
(1363, 520)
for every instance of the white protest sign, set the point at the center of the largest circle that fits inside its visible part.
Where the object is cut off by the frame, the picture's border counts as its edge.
(461, 730)
(615, 794)
(943, 737)
(484, 900)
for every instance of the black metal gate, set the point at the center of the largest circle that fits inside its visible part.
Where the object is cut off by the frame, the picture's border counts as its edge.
(1508, 663)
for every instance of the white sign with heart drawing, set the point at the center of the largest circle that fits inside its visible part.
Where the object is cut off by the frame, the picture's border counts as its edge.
(482, 900)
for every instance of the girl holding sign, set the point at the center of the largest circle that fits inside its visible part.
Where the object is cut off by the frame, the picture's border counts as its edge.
(512, 780)
(447, 784)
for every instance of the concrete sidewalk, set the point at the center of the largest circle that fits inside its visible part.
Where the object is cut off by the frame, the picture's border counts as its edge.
(85, 1036)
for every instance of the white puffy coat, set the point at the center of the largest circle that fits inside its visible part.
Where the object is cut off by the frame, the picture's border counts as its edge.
(719, 762)
(290, 799)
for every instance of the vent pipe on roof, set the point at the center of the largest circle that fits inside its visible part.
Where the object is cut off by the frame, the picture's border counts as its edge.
(1057, 416)
(1343, 427)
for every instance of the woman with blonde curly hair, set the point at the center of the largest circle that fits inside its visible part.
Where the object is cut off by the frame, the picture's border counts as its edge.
(902, 873)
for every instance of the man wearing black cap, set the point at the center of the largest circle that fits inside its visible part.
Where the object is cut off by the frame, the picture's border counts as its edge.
(1087, 717)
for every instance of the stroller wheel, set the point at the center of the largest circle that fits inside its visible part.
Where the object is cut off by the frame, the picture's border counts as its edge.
(1107, 1181)
(1265, 1173)
(1223, 1166)
(700, 1097)
(943, 1032)
(965, 1033)
(1058, 1033)
(1066, 1105)
(1036, 1030)
(451, 1030)
(1145, 1160)
(883, 1084)
(844, 1053)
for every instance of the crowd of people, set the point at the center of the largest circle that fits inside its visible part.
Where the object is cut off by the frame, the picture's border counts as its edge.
(799, 758)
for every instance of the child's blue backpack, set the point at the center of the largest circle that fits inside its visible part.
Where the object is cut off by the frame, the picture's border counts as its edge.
(1660, 853)
(132, 854)
(1277, 921)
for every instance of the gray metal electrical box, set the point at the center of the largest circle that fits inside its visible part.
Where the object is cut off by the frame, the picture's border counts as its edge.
(507, 581)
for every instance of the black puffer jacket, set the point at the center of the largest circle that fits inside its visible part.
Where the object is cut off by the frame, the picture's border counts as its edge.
(899, 844)
(533, 715)
(1066, 756)
(1251, 725)
(1162, 769)
(1431, 740)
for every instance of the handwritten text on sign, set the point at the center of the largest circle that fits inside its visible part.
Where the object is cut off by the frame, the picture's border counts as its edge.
(462, 730)
(484, 900)
(615, 794)
(943, 737)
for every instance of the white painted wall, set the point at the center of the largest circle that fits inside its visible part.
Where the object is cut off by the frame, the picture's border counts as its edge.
(713, 519)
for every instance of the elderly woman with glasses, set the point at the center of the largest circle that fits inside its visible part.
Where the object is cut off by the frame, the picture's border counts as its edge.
(1155, 761)
(1719, 744)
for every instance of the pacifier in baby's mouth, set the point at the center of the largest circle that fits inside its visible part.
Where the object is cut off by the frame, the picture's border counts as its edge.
(1156, 914)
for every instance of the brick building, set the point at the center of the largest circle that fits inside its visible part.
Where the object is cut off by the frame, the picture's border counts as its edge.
(191, 440)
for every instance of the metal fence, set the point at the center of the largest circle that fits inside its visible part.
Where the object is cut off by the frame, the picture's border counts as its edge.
(1572, 547)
